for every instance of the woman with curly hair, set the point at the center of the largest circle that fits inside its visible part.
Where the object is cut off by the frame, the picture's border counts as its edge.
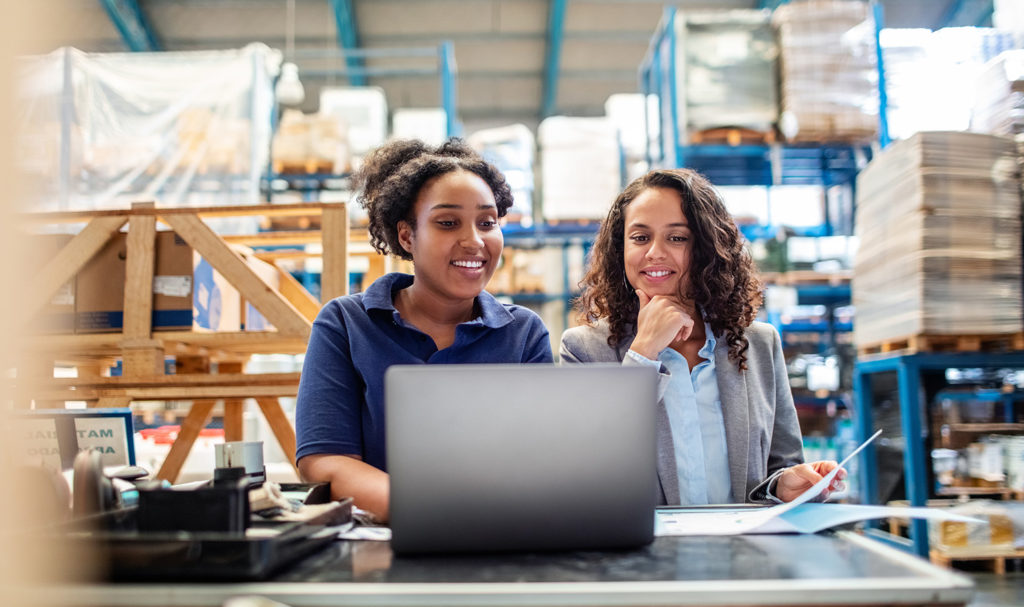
(439, 208)
(671, 285)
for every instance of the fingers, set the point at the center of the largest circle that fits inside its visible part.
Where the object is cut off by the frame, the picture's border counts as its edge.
(644, 298)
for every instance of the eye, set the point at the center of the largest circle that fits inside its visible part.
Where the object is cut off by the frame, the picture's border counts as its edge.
(488, 224)
(446, 223)
(679, 238)
(638, 238)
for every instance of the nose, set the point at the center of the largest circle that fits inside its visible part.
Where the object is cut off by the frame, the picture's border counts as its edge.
(656, 250)
(471, 238)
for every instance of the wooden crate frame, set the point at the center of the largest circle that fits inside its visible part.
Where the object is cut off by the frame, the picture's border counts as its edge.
(290, 308)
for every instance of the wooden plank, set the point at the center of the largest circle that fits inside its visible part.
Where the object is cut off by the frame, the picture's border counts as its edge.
(252, 287)
(143, 359)
(277, 239)
(280, 426)
(219, 379)
(268, 210)
(139, 268)
(165, 393)
(75, 254)
(234, 408)
(335, 228)
(195, 421)
(294, 292)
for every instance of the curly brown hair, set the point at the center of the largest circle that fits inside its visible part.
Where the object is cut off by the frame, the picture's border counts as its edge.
(392, 175)
(723, 280)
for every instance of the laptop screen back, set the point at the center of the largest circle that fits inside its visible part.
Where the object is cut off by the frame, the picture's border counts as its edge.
(520, 457)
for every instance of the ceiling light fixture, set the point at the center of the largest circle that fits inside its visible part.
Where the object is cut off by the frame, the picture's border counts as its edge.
(289, 89)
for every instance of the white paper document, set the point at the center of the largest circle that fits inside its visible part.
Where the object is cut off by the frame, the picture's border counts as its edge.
(797, 516)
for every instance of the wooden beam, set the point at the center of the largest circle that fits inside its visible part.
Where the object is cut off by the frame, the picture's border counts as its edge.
(70, 259)
(230, 264)
(280, 426)
(234, 408)
(195, 421)
(335, 232)
(198, 379)
(267, 210)
(139, 269)
(294, 292)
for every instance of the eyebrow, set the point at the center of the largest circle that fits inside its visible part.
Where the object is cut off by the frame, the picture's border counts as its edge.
(447, 205)
(671, 225)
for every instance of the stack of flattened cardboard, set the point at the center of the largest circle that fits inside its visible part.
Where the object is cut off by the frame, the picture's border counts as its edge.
(939, 221)
(828, 70)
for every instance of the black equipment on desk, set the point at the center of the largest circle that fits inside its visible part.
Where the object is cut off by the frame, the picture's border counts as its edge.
(204, 533)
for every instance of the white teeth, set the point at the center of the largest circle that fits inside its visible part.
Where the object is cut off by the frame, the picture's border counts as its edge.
(468, 264)
(658, 274)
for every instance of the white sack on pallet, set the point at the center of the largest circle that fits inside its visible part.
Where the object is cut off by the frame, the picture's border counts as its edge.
(580, 167)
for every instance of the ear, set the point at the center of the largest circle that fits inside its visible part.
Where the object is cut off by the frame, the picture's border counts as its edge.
(405, 236)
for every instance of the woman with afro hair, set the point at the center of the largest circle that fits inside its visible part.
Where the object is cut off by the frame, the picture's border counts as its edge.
(671, 285)
(439, 208)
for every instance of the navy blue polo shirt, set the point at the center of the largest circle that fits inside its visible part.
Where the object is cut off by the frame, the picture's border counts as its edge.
(355, 338)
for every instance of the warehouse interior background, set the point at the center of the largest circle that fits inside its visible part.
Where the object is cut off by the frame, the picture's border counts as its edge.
(209, 103)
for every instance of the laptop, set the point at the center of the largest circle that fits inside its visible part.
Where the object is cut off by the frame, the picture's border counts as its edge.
(487, 458)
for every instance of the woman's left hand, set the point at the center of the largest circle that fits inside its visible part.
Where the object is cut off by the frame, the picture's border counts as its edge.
(797, 479)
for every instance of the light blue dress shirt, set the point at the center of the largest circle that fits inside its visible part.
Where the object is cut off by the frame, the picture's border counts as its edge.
(694, 410)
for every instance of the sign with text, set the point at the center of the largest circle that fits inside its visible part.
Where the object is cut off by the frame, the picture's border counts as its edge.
(52, 437)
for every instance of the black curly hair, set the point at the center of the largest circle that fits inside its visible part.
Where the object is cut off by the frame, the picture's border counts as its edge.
(723, 279)
(392, 175)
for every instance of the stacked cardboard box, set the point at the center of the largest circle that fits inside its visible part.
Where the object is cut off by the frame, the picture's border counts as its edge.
(938, 218)
(187, 292)
(313, 143)
(828, 70)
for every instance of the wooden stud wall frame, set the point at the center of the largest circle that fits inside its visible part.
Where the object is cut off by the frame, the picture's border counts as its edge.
(289, 308)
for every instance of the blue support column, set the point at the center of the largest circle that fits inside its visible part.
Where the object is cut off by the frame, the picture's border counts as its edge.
(553, 56)
(678, 159)
(135, 30)
(909, 374)
(345, 20)
(447, 59)
(864, 427)
(883, 97)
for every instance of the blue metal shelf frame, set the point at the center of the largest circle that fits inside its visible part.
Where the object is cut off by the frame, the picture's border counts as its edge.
(826, 164)
(908, 370)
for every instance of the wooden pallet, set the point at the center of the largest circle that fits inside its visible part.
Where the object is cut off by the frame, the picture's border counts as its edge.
(309, 166)
(807, 277)
(944, 343)
(732, 135)
(995, 555)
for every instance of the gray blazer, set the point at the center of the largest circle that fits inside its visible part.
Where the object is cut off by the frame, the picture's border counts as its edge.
(762, 433)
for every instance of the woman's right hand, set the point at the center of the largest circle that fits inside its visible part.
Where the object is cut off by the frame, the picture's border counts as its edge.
(661, 321)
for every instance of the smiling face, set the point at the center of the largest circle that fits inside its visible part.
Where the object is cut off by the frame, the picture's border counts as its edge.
(456, 243)
(657, 247)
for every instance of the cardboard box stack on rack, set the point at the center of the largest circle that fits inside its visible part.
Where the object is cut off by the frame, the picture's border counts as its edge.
(828, 70)
(938, 217)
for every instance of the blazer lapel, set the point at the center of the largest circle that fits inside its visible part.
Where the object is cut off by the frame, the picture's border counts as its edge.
(732, 389)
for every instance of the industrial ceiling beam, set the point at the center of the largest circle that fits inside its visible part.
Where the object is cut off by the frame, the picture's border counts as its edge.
(132, 24)
(348, 38)
(553, 56)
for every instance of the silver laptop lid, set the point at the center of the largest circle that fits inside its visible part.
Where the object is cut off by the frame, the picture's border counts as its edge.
(520, 457)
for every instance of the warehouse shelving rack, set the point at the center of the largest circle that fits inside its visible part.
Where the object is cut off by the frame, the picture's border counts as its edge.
(910, 371)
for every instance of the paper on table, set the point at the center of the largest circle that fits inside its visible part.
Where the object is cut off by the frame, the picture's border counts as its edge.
(742, 520)
(795, 516)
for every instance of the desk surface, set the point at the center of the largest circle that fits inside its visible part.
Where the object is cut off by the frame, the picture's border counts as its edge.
(826, 569)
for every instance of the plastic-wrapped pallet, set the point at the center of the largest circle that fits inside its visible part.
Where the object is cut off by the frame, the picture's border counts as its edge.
(938, 218)
(997, 527)
(999, 96)
(727, 70)
(103, 130)
(828, 70)
(580, 166)
(511, 149)
(310, 143)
